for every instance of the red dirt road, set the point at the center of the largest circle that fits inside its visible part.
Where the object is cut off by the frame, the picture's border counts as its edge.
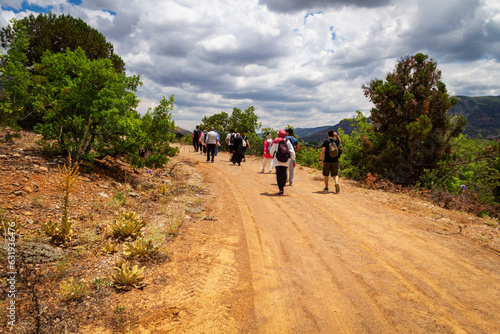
(320, 262)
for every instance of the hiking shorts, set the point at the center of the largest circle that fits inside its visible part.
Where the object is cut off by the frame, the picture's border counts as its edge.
(330, 168)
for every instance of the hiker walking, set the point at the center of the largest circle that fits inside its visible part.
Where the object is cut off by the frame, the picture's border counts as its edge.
(230, 143)
(238, 150)
(212, 142)
(218, 143)
(329, 157)
(245, 143)
(266, 156)
(196, 136)
(204, 141)
(283, 152)
(295, 143)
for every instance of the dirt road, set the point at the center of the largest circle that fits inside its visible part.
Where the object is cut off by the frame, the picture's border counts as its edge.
(322, 262)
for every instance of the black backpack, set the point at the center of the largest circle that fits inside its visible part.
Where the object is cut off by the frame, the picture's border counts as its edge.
(283, 153)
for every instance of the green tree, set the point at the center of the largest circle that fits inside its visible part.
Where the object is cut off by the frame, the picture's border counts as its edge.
(87, 106)
(412, 130)
(57, 33)
(475, 165)
(219, 121)
(16, 80)
(149, 145)
(48, 32)
(246, 120)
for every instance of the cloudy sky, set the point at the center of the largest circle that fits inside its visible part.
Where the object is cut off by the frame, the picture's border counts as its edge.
(298, 62)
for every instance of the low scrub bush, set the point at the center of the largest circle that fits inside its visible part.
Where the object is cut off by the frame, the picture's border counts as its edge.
(73, 289)
(128, 225)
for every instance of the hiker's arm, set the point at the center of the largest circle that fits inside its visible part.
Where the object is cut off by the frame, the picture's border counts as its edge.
(322, 155)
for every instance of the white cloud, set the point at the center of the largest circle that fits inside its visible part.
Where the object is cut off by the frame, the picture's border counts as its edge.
(297, 62)
(16, 4)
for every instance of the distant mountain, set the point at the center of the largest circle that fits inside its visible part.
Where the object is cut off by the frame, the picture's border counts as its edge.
(318, 135)
(180, 132)
(482, 114)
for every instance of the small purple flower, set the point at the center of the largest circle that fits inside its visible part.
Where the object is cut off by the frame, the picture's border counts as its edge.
(463, 187)
(150, 171)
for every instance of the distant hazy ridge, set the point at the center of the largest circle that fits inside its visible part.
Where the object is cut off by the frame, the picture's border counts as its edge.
(482, 113)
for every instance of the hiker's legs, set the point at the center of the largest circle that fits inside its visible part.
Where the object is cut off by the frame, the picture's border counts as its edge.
(281, 176)
(291, 172)
(326, 172)
(210, 150)
(271, 162)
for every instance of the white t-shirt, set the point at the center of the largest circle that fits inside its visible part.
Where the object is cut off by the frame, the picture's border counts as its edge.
(228, 138)
(212, 137)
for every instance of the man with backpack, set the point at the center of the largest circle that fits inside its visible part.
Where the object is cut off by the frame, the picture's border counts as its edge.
(329, 157)
(196, 136)
(295, 143)
(283, 152)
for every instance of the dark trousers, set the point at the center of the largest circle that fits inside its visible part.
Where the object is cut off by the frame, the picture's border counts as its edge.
(195, 145)
(281, 176)
(210, 150)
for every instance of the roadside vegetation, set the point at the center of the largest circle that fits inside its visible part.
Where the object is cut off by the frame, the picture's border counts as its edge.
(74, 94)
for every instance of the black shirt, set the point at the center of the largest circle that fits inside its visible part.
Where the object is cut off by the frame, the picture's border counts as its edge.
(327, 157)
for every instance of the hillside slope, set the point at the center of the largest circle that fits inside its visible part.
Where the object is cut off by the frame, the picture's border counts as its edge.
(482, 114)
(245, 260)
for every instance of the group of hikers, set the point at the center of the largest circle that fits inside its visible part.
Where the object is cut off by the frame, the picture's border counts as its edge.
(279, 152)
(208, 143)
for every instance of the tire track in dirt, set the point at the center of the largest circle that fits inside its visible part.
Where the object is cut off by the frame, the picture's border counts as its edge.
(272, 309)
(198, 297)
(342, 263)
(415, 281)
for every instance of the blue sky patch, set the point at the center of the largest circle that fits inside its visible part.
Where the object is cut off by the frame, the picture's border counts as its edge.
(312, 14)
(26, 6)
(334, 35)
(109, 11)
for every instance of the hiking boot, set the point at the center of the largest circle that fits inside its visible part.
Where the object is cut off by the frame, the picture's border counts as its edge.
(337, 188)
(326, 189)
(281, 193)
(290, 184)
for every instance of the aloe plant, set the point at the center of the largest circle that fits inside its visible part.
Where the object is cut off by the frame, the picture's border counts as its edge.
(128, 225)
(125, 278)
(140, 247)
(109, 248)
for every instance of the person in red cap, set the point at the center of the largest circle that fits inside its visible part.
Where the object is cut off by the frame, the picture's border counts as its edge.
(283, 152)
